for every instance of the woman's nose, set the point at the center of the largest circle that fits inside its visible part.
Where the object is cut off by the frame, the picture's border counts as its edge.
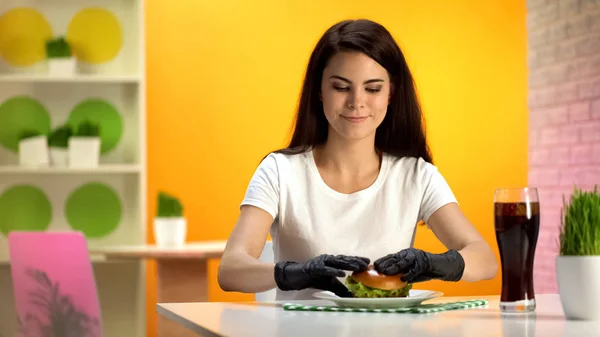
(355, 100)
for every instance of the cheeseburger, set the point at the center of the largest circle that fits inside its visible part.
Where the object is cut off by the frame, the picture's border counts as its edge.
(370, 283)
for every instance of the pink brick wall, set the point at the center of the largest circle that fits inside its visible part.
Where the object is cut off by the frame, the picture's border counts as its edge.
(564, 105)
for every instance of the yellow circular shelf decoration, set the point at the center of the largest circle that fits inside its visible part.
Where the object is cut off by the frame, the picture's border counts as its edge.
(96, 35)
(23, 35)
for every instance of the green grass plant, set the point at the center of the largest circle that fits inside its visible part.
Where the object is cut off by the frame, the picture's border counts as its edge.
(580, 224)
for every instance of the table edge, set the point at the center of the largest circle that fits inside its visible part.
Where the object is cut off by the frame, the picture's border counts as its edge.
(158, 256)
(185, 323)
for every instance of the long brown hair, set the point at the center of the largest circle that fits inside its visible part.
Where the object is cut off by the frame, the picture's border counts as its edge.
(401, 133)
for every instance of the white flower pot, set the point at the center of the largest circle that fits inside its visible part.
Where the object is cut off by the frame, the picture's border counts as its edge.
(578, 280)
(59, 156)
(33, 152)
(84, 152)
(170, 232)
(62, 67)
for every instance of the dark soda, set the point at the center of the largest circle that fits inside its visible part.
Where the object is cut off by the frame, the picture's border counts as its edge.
(517, 227)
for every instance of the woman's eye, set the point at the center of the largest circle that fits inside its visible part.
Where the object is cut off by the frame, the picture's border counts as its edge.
(339, 88)
(373, 90)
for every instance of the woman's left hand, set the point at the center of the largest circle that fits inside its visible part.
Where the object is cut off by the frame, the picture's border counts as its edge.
(419, 266)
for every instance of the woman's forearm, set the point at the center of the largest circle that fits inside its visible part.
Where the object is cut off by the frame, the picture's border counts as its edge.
(480, 262)
(244, 273)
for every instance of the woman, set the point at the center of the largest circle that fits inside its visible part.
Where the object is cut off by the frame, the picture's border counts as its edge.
(353, 183)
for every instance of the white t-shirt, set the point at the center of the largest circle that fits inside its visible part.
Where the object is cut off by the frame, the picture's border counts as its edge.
(310, 218)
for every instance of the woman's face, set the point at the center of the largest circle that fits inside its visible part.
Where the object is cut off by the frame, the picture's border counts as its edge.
(355, 91)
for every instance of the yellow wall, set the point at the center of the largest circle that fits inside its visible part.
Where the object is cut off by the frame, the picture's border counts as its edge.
(224, 78)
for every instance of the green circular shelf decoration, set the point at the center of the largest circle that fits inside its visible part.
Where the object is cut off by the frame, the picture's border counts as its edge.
(20, 113)
(24, 208)
(94, 209)
(106, 115)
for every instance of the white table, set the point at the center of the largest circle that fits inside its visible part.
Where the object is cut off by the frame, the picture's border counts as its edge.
(181, 273)
(268, 319)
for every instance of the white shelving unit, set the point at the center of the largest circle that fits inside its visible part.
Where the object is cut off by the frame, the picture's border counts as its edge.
(116, 79)
(121, 83)
(103, 169)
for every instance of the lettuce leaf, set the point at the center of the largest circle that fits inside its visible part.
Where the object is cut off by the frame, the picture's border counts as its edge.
(361, 290)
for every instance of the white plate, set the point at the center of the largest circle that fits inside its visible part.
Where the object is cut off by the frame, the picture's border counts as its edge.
(414, 298)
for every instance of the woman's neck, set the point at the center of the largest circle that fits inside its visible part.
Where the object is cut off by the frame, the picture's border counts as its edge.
(343, 156)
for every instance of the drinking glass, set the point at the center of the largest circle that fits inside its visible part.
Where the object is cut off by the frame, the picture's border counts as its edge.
(517, 224)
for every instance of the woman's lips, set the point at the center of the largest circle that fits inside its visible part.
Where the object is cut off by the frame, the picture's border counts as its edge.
(355, 119)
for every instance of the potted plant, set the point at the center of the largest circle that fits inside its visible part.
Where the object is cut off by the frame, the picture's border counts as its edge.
(84, 145)
(170, 226)
(33, 149)
(578, 263)
(61, 61)
(58, 143)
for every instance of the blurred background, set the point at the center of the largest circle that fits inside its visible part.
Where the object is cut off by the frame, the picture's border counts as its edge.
(510, 91)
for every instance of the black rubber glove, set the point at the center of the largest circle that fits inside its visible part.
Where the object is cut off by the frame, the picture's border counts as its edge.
(419, 266)
(319, 273)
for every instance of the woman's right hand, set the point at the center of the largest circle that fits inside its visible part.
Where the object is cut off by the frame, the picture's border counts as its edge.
(319, 273)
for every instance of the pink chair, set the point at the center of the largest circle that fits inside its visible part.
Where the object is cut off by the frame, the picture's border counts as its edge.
(54, 286)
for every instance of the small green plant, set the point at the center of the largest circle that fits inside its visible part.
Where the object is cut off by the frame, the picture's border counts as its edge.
(168, 206)
(58, 48)
(59, 137)
(580, 224)
(88, 129)
(25, 134)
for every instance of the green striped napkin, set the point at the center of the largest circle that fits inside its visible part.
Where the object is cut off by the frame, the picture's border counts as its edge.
(423, 308)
